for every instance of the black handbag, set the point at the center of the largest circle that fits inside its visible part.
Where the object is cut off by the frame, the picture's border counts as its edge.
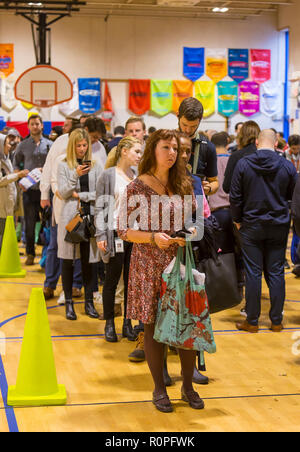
(221, 284)
(77, 229)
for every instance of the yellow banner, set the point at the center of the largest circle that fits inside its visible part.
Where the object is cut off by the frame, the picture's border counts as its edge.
(6, 59)
(181, 90)
(205, 93)
(216, 64)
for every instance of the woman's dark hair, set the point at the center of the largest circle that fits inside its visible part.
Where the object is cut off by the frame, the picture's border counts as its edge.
(179, 182)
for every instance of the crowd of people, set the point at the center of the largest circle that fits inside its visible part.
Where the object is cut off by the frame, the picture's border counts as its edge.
(246, 182)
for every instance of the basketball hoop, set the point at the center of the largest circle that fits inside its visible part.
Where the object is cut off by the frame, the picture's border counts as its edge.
(43, 86)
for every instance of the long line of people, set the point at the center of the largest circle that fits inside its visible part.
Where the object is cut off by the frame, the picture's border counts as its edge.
(248, 179)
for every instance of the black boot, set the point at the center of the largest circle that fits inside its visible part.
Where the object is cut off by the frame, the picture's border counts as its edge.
(110, 331)
(127, 330)
(70, 313)
(199, 378)
(90, 309)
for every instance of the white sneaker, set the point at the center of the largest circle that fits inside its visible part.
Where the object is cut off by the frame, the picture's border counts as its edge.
(97, 296)
(61, 298)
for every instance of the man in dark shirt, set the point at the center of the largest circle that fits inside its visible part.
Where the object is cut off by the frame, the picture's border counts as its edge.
(261, 187)
(30, 154)
(189, 115)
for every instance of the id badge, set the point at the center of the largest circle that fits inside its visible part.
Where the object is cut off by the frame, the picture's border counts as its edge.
(119, 244)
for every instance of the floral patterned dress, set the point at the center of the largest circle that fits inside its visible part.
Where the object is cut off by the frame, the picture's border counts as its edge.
(148, 261)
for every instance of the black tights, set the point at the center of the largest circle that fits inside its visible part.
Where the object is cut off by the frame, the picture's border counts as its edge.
(154, 352)
(87, 273)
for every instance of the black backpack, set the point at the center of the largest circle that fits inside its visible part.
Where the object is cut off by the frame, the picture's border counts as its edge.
(200, 156)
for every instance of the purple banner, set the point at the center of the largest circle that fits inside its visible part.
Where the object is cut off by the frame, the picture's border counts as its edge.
(248, 98)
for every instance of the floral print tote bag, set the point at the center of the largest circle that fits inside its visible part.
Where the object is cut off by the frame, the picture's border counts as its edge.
(183, 319)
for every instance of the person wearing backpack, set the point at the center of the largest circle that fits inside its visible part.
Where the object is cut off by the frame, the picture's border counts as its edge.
(204, 158)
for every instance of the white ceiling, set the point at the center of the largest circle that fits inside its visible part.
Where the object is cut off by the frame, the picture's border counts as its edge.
(237, 9)
(196, 9)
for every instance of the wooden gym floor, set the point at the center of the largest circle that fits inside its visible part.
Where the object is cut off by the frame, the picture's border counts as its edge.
(254, 378)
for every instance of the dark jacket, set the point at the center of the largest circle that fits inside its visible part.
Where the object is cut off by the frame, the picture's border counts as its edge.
(296, 207)
(233, 159)
(261, 187)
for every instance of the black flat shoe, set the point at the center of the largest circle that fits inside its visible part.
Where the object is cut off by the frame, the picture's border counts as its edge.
(127, 330)
(193, 399)
(90, 310)
(163, 407)
(70, 313)
(110, 331)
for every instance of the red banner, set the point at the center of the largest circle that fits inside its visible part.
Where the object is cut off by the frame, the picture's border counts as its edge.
(139, 96)
(260, 65)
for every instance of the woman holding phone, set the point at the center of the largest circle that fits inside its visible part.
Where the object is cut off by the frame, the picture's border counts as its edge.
(162, 173)
(77, 176)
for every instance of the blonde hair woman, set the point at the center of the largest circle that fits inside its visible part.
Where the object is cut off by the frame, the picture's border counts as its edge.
(115, 253)
(77, 176)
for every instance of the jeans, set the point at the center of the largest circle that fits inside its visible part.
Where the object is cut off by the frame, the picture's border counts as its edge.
(264, 250)
(53, 264)
(32, 208)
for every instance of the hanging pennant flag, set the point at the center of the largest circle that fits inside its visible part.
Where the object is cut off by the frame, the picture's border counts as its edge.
(205, 93)
(181, 90)
(193, 62)
(227, 98)
(139, 96)
(89, 95)
(6, 59)
(260, 65)
(216, 64)
(248, 98)
(8, 100)
(271, 99)
(107, 101)
(238, 64)
(161, 96)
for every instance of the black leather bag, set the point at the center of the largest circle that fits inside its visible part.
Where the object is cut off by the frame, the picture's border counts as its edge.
(221, 283)
(77, 229)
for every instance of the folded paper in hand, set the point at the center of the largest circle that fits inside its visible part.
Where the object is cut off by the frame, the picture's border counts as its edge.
(31, 179)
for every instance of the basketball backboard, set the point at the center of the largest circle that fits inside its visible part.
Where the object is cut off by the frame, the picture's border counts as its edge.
(43, 86)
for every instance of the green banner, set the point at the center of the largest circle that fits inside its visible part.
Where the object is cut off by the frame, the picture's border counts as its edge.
(161, 96)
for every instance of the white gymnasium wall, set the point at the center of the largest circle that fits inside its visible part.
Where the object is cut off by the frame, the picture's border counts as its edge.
(125, 47)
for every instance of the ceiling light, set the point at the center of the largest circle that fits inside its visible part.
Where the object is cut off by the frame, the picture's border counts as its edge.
(223, 10)
(216, 10)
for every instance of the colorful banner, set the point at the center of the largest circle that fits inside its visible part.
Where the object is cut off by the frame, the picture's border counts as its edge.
(193, 62)
(227, 98)
(139, 96)
(216, 64)
(6, 59)
(238, 64)
(161, 96)
(181, 90)
(89, 95)
(248, 98)
(205, 93)
(260, 65)
(271, 99)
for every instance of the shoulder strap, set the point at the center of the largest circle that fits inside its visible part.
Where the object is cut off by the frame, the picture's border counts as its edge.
(201, 145)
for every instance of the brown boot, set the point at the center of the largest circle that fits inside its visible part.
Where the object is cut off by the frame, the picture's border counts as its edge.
(245, 326)
(276, 328)
(29, 260)
(48, 293)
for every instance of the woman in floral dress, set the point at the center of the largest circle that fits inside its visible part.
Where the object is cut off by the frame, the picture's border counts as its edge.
(143, 221)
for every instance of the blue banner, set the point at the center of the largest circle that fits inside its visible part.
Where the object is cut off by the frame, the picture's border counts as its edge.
(238, 64)
(89, 95)
(193, 62)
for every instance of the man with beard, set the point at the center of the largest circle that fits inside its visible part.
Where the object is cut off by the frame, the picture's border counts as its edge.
(30, 154)
(204, 158)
